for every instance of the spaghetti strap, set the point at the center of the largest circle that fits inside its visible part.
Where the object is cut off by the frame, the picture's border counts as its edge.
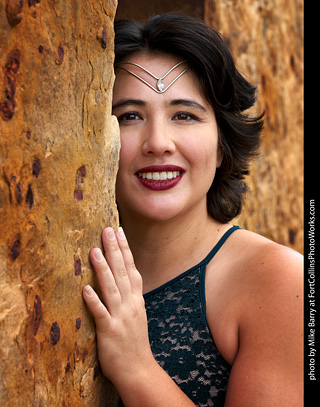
(219, 244)
(200, 265)
(204, 263)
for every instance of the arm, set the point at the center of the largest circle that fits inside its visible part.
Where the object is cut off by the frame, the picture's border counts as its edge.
(268, 368)
(122, 332)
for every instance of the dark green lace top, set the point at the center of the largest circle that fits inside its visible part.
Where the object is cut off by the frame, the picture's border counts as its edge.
(180, 338)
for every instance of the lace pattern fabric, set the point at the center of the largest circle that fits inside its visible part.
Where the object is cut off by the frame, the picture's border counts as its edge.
(180, 338)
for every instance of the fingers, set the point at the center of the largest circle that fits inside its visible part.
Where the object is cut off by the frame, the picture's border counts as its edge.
(110, 292)
(133, 274)
(99, 312)
(116, 272)
(116, 262)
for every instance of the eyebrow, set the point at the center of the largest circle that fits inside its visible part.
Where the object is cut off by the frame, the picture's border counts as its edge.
(128, 102)
(175, 102)
(188, 103)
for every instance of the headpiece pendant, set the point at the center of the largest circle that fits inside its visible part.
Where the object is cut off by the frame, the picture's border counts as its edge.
(160, 85)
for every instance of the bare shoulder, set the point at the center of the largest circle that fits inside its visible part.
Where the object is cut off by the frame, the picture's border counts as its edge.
(250, 265)
(269, 320)
(270, 274)
(271, 279)
(249, 268)
(262, 254)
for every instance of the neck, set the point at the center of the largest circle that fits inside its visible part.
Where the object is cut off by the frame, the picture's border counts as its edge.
(163, 250)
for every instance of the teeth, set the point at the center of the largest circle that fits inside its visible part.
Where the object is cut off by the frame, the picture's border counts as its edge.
(159, 176)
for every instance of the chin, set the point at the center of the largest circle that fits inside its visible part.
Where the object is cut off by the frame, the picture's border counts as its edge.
(152, 211)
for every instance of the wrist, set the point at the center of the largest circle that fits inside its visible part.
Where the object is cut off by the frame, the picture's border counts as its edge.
(151, 386)
(133, 376)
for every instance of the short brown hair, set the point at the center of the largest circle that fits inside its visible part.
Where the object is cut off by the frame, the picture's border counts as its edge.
(228, 92)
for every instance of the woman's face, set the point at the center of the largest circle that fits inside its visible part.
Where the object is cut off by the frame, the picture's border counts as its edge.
(169, 142)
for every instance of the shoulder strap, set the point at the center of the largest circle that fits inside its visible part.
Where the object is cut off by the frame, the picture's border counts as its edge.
(219, 244)
(204, 266)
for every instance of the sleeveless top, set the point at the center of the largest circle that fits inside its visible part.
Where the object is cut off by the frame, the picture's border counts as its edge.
(180, 338)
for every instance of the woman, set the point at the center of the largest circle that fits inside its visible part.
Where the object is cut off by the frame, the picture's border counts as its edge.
(222, 304)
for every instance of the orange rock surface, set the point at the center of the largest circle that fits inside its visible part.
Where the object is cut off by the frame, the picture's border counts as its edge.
(59, 149)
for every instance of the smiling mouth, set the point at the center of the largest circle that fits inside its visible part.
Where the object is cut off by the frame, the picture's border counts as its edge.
(160, 177)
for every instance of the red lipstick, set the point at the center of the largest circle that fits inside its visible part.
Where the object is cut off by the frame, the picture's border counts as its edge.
(160, 177)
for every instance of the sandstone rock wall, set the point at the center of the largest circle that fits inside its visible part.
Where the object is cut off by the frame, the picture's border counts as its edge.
(59, 150)
(266, 39)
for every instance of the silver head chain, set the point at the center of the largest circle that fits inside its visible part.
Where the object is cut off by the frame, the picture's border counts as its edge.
(160, 84)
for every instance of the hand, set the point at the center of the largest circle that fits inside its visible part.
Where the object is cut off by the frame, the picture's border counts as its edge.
(120, 318)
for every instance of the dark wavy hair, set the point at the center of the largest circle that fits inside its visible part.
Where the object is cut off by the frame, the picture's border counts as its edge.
(227, 91)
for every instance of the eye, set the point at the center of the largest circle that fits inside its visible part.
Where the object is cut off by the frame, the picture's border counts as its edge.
(129, 117)
(182, 116)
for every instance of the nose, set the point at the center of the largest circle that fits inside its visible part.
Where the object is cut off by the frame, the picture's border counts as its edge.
(157, 139)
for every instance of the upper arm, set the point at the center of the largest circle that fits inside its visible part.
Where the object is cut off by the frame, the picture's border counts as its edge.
(268, 368)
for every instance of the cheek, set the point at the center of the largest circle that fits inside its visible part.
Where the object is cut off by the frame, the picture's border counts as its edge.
(204, 153)
(212, 151)
(128, 155)
(128, 152)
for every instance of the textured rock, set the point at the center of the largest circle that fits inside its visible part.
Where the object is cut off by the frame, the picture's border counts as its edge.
(266, 39)
(59, 150)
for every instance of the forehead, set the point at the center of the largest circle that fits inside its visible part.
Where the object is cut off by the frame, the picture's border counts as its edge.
(168, 67)
(158, 64)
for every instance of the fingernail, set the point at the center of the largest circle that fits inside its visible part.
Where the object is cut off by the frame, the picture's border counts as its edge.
(98, 255)
(121, 233)
(88, 290)
(111, 235)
